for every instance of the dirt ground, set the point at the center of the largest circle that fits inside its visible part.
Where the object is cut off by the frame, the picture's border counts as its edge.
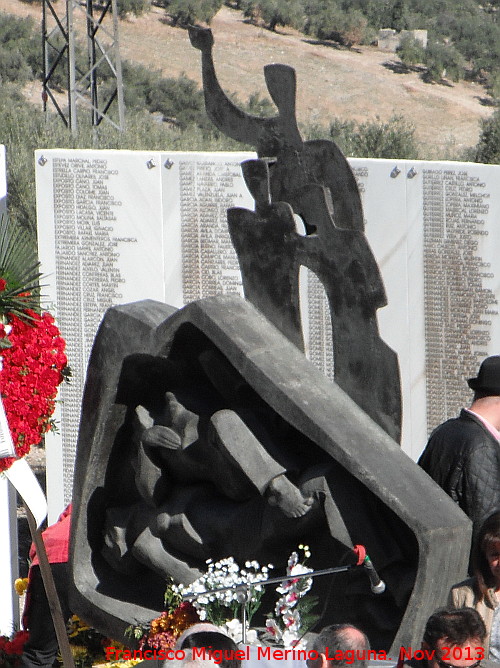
(352, 84)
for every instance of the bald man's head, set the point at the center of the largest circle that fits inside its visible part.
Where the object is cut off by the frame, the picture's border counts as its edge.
(344, 641)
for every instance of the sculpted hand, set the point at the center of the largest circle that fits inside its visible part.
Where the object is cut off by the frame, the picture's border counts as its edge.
(182, 421)
(201, 38)
(162, 437)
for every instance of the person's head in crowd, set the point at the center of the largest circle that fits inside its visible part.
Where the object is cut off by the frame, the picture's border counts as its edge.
(486, 556)
(195, 628)
(457, 637)
(344, 640)
(188, 663)
(215, 643)
(486, 386)
(487, 382)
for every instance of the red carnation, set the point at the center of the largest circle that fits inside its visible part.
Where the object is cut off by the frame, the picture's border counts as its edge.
(32, 370)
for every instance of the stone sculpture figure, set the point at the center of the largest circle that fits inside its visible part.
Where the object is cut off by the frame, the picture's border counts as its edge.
(311, 180)
(186, 461)
(206, 433)
(216, 371)
(228, 455)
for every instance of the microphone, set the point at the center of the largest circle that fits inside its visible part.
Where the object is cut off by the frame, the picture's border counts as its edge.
(376, 584)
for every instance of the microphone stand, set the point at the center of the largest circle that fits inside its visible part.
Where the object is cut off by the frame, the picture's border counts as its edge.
(242, 590)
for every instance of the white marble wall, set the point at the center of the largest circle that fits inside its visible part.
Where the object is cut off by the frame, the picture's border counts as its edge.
(117, 226)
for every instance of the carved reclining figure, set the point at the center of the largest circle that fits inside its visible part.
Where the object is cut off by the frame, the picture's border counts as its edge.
(279, 409)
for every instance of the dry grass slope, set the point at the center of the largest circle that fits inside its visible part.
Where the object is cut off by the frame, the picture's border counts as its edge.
(331, 81)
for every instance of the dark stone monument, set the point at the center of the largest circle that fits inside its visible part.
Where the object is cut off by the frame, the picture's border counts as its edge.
(231, 387)
(205, 432)
(313, 181)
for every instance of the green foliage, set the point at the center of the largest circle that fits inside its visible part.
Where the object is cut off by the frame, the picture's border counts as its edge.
(13, 66)
(179, 100)
(322, 17)
(378, 12)
(444, 61)
(473, 34)
(488, 148)
(465, 26)
(19, 268)
(275, 13)
(172, 598)
(399, 18)
(471, 27)
(376, 139)
(410, 51)
(259, 106)
(309, 616)
(352, 28)
(14, 30)
(137, 84)
(17, 47)
(21, 53)
(185, 12)
(329, 20)
(494, 86)
(135, 7)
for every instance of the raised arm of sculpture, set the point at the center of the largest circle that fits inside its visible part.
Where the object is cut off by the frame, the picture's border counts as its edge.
(268, 135)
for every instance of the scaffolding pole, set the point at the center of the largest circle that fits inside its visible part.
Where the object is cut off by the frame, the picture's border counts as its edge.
(90, 69)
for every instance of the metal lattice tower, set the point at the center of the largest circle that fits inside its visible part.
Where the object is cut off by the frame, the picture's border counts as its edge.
(94, 79)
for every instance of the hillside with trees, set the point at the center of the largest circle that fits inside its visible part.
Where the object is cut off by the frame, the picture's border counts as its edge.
(374, 104)
(464, 35)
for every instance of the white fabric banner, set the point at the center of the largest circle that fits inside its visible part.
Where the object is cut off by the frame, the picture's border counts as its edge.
(24, 480)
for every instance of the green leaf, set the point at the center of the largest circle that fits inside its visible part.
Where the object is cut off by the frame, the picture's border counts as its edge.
(19, 267)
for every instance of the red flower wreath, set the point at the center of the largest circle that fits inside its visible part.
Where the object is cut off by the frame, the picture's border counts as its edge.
(12, 648)
(33, 361)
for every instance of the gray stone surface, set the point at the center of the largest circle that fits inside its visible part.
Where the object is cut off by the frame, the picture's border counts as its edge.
(313, 181)
(221, 358)
(206, 433)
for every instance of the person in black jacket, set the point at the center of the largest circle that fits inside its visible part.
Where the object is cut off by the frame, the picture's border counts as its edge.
(463, 454)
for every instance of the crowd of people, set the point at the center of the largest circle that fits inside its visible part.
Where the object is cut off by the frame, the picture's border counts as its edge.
(453, 638)
(463, 457)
